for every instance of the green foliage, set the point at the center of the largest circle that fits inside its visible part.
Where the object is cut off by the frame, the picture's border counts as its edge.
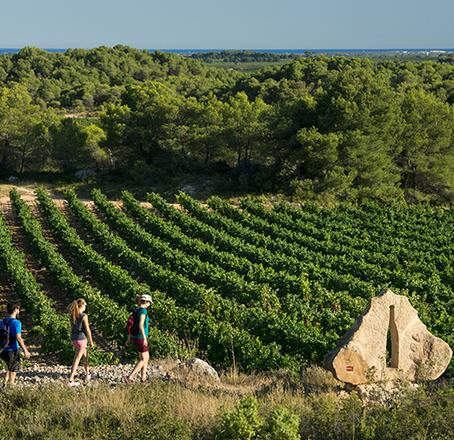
(243, 423)
(183, 307)
(108, 316)
(25, 130)
(320, 128)
(281, 424)
(327, 418)
(100, 412)
(426, 154)
(337, 259)
(46, 321)
(241, 56)
(255, 287)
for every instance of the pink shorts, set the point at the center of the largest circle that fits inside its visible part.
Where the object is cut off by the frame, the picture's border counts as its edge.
(81, 344)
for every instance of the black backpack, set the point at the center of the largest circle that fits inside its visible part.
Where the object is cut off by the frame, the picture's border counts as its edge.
(6, 338)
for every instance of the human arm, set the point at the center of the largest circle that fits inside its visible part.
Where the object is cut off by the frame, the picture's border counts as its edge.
(142, 328)
(21, 342)
(88, 330)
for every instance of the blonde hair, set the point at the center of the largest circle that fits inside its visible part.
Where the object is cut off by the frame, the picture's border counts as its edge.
(74, 309)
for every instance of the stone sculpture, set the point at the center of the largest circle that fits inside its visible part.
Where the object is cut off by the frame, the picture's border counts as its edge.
(388, 342)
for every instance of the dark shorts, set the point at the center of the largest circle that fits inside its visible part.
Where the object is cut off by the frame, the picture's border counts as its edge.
(140, 345)
(11, 359)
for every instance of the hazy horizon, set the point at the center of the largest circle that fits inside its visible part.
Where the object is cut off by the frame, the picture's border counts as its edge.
(219, 49)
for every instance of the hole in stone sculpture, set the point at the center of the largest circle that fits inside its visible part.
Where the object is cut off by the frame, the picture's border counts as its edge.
(392, 341)
(388, 348)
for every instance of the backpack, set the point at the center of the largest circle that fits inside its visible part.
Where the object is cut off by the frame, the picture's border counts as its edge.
(6, 338)
(131, 324)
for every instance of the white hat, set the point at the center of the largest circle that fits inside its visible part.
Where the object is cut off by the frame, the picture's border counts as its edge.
(145, 297)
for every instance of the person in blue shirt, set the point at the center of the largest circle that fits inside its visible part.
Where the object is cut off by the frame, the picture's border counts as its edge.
(10, 353)
(139, 337)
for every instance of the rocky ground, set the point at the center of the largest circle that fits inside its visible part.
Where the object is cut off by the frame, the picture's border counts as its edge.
(110, 374)
(194, 370)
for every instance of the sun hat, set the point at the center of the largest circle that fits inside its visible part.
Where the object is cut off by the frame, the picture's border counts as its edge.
(145, 297)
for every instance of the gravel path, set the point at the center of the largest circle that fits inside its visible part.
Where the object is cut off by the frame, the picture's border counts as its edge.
(108, 374)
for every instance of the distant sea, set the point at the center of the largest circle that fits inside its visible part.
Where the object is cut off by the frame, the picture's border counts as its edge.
(426, 51)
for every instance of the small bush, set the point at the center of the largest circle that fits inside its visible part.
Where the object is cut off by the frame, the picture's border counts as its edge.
(327, 417)
(281, 424)
(243, 422)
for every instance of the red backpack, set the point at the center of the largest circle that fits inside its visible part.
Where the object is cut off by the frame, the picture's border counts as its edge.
(131, 324)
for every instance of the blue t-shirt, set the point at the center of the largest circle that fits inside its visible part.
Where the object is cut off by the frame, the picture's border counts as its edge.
(138, 312)
(15, 328)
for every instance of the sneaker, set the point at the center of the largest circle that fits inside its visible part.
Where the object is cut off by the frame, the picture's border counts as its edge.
(73, 384)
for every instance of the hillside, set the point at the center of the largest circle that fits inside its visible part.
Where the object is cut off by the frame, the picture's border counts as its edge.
(248, 287)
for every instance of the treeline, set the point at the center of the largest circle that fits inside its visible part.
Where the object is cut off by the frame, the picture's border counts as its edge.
(81, 79)
(318, 127)
(243, 56)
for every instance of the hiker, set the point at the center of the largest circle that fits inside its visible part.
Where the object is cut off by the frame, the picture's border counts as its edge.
(80, 331)
(137, 334)
(10, 340)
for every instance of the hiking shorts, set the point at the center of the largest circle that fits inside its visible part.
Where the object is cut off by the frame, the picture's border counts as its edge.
(80, 344)
(140, 346)
(11, 359)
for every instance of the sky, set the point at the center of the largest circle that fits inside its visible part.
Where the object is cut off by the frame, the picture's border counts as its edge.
(228, 24)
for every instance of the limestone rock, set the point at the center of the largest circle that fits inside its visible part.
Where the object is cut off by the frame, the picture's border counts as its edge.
(416, 354)
(196, 368)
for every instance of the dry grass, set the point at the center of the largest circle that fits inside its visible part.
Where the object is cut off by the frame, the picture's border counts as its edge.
(196, 406)
(26, 190)
(162, 410)
(4, 191)
(53, 405)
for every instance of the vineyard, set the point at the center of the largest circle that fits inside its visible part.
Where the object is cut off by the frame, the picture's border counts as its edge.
(250, 286)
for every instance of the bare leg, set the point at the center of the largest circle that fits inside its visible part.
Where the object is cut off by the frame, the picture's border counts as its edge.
(85, 361)
(146, 357)
(138, 366)
(12, 377)
(77, 357)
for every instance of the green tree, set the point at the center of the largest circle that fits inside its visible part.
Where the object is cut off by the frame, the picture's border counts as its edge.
(319, 152)
(69, 141)
(361, 106)
(94, 142)
(246, 128)
(426, 156)
(25, 130)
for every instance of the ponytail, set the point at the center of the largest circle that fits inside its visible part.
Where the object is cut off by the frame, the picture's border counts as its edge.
(74, 309)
